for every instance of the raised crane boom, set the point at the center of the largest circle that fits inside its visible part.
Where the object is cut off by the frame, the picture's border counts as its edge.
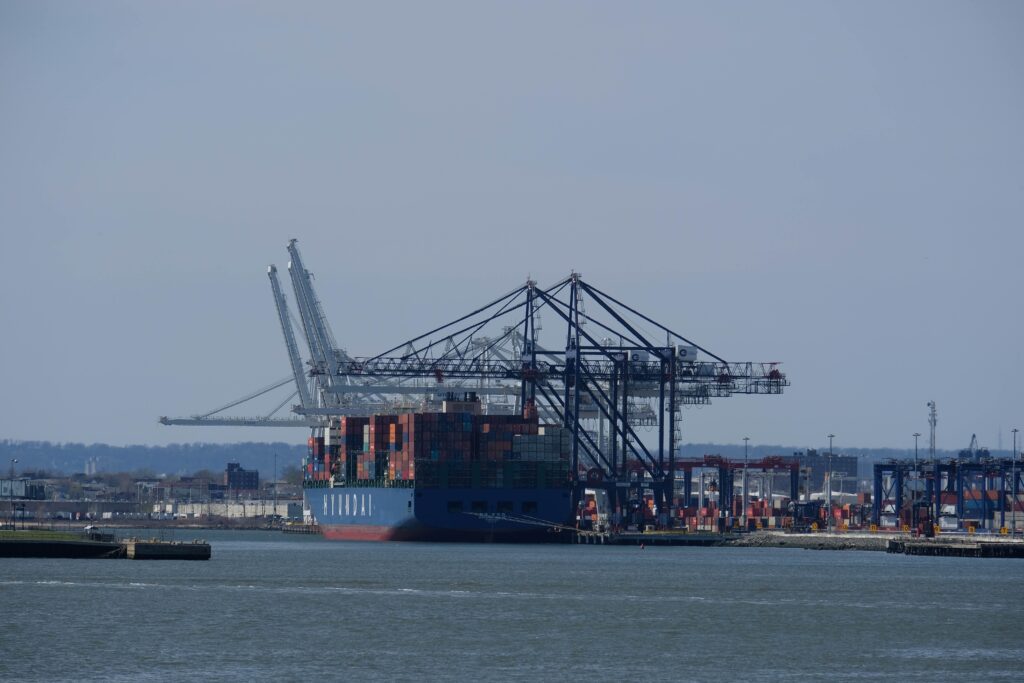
(321, 344)
(321, 341)
(289, 339)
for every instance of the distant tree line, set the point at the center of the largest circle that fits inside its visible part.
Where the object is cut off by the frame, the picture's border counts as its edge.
(171, 460)
(187, 458)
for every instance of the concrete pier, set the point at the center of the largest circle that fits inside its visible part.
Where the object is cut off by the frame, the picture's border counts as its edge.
(967, 546)
(935, 548)
(61, 548)
(97, 546)
(166, 550)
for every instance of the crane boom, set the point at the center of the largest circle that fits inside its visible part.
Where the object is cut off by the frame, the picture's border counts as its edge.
(238, 422)
(321, 348)
(289, 339)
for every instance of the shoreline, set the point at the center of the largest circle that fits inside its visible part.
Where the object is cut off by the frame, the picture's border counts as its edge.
(948, 544)
(78, 526)
(836, 541)
(874, 542)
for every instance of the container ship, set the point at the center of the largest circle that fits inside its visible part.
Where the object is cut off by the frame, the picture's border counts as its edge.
(451, 475)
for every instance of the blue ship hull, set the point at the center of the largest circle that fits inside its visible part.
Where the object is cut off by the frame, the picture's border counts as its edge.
(435, 514)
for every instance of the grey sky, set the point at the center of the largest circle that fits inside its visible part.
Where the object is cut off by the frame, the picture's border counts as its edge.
(836, 186)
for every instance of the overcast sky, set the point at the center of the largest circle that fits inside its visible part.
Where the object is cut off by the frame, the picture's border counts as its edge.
(839, 187)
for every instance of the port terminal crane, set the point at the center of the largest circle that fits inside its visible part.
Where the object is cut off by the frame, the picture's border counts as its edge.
(314, 382)
(606, 373)
(610, 363)
(322, 391)
(970, 492)
(959, 494)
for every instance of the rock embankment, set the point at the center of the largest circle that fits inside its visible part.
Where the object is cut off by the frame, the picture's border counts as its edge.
(812, 541)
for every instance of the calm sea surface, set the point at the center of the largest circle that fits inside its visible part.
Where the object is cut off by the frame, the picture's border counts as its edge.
(270, 606)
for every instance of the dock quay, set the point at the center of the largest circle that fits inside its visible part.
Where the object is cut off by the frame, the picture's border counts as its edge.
(95, 545)
(154, 549)
(653, 538)
(760, 539)
(947, 546)
(68, 547)
(958, 548)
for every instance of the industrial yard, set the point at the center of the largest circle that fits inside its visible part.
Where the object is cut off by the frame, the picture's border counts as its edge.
(453, 414)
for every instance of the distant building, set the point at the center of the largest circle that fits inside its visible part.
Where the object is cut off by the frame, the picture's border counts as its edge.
(240, 480)
(815, 466)
(21, 489)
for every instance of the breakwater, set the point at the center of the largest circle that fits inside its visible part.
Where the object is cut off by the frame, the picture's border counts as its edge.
(97, 546)
(960, 548)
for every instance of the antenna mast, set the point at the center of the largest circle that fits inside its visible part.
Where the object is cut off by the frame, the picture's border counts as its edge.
(933, 419)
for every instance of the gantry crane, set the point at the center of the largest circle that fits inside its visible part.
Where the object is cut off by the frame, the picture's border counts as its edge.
(298, 374)
(586, 381)
(321, 390)
(611, 374)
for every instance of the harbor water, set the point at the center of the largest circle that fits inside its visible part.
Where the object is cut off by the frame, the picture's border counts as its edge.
(269, 606)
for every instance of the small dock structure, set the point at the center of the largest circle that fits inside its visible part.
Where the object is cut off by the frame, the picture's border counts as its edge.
(956, 548)
(166, 550)
(97, 545)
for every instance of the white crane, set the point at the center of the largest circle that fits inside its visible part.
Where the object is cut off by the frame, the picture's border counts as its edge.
(211, 418)
(326, 391)
(318, 336)
(289, 339)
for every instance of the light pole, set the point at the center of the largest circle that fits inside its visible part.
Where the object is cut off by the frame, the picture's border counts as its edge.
(274, 515)
(1013, 487)
(746, 440)
(913, 491)
(830, 437)
(11, 492)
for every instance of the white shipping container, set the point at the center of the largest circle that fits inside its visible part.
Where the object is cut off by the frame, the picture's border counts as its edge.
(686, 353)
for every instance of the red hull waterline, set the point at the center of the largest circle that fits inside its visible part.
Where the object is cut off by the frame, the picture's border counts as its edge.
(363, 532)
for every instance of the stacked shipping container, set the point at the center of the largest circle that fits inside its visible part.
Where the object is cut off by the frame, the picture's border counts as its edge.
(350, 432)
(316, 462)
(443, 450)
